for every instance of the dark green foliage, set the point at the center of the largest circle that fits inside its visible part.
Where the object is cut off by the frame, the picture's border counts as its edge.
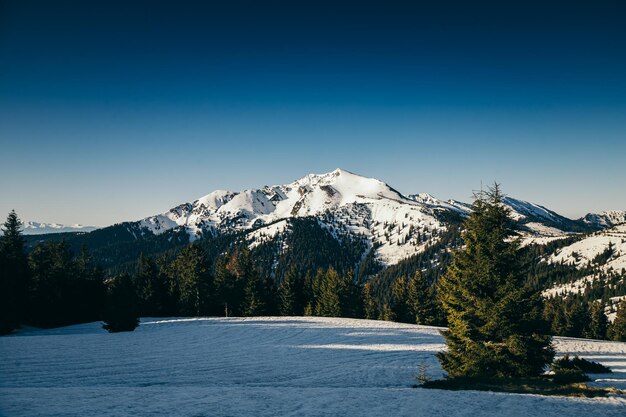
(580, 364)
(370, 308)
(63, 290)
(14, 275)
(495, 325)
(256, 295)
(617, 329)
(566, 383)
(401, 306)
(117, 248)
(191, 282)
(422, 301)
(328, 293)
(568, 376)
(149, 286)
(599, 324)
(121, 312)
(290, 295)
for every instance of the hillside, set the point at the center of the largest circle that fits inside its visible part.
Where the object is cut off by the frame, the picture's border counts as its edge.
(299, 366)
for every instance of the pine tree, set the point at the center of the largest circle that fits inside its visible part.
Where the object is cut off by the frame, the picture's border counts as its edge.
(121, 312)
(577, 318)
(231, 277)
(599, 322)
(421, 301)
(148, 285)
(194, 281)
(53, 283)
(329, 289)
(255, 296)
(386, 313)
(495, 325)
(14, 275)
(370, 310)
(402, 311)
(287, 294)
(617, 329)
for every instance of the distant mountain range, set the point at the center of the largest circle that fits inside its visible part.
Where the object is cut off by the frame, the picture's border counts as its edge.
(36, 228)
(394, 226)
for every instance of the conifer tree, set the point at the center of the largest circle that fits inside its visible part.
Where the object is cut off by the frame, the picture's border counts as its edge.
(255, 296)
(386, 313)
(14, 275)
(148, 285)
(400, 305)
(54, 277)
(191, 270)
(617, 330)
(329, 289)
(231, 277)
(495, 325)
(422, 301)
(370, 310)
(599, 322)
(577, 318)
(287, 294)
(121, 313)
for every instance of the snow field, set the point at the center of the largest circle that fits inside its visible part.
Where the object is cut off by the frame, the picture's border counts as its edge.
(261, 366)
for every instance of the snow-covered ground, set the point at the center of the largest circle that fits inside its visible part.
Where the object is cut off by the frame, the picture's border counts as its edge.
(265, 366)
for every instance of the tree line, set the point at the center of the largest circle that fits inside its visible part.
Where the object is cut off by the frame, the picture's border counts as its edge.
(53, 286)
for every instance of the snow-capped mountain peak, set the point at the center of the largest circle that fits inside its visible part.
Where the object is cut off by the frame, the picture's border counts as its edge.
(37, 228)
(605, 219)
(345, 204)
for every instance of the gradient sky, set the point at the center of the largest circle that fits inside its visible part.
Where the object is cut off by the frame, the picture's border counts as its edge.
(113, 112)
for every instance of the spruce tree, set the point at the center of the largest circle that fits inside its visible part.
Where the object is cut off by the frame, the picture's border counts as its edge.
(330, 288)
(194, 280)
(617, 329)
(599, 322)
(421, 301)
(121, 312)
(370, 310)
(255, 296)
(14, 275)
(386, 313)
(148, 285)
(400, 305)
(287, 297)
(495, 324)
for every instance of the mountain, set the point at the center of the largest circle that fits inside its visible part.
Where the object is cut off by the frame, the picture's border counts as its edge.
(343, 203)
(605, 219)
(36, 228)
(371, 223)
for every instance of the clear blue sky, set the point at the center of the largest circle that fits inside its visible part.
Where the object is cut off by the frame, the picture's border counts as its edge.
(112, 112)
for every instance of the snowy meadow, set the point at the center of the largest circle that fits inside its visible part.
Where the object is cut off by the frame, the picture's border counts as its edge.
(263, 366)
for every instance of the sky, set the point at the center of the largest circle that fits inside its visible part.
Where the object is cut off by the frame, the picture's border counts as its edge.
(113, 111)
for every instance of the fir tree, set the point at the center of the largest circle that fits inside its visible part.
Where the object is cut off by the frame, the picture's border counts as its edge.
(194, 281)
(14, 275)
(421, 301)
(386, 313)
(577, 319)
(495, 325)
(148, 285)
(599, 322)
(231, 277)
(370, 310)
(329, 291)
(287, 294)
(400, 305)
(53, 285)
(617, 329)
(255, 296)
(121, 313)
